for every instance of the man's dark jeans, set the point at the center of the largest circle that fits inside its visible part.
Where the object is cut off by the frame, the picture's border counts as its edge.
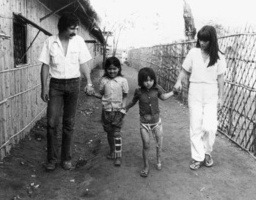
(63, 96)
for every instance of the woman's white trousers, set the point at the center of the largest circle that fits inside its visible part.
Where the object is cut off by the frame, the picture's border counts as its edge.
(202, 101)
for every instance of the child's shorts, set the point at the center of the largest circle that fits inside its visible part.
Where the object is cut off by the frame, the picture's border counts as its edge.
(156, 130)
(112, 121)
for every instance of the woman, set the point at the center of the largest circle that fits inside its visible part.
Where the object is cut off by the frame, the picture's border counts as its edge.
(206, 66)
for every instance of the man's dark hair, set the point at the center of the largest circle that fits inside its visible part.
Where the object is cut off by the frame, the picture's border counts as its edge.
(67, 20)
(143, 75)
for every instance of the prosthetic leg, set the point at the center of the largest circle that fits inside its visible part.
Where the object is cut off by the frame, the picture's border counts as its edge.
(118, 149)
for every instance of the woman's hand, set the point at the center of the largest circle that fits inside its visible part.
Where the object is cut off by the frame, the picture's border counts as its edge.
(178, 86)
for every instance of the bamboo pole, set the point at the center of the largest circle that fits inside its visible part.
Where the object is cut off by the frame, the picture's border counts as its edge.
(8, 141)
(10, 97)
(54, 12)
(16, 69)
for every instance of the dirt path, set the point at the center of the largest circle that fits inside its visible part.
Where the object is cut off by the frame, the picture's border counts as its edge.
(22, 176)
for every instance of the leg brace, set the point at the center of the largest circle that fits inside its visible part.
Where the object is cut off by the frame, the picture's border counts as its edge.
(118, 147)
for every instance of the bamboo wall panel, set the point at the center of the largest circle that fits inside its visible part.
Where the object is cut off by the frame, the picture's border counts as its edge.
(20, 88)
(237, 117)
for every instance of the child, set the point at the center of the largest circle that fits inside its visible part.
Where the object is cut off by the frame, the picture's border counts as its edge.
(148, 95)
(113, 92)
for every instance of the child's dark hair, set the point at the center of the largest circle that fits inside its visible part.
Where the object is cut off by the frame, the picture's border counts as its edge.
(143, 75)
(208, 33)
(112, 61)
(67, 20)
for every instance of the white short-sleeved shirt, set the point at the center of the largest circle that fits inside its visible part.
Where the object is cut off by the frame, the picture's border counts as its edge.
(61, 66)
(200, 73)
(112, 91)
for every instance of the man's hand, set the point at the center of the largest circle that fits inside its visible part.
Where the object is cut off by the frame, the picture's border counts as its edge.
(89, 90)
(45, 95)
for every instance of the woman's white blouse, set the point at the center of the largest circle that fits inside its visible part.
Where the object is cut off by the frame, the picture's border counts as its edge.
(200, 73)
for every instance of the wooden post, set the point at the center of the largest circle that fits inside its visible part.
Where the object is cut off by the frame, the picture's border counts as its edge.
(190, 30)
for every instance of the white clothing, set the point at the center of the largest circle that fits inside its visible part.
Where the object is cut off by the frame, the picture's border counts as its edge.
(61, 66)
(157, 131)
(200, 73)
(202, 101)
(112, 91)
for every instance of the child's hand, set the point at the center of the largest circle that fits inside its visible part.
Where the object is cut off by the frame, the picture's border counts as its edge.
(97, 95)
(126, 109)
(175, 92)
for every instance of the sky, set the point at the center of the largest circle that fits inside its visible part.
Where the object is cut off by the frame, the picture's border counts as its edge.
(161, 21)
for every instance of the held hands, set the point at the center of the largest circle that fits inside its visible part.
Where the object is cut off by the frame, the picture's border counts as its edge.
(178, 86)
(89, 90)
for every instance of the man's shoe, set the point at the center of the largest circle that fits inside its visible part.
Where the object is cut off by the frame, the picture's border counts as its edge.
(118, 162)
(50, 166)
(67, 165)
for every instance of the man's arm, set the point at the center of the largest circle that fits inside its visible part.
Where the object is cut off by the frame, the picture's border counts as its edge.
(44, 86)
(86, 72)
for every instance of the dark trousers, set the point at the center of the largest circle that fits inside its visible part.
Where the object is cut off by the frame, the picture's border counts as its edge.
(63, 96)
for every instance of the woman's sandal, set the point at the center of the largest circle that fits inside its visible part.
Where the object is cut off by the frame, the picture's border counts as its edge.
(208, 161)
(144, 173)
(195, 165)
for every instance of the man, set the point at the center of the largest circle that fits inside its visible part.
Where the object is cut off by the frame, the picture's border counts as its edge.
(64, 57)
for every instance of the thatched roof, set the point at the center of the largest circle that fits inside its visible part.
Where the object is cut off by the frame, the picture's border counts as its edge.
(84, 11)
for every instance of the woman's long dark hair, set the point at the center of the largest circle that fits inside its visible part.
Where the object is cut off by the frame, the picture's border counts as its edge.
(112, 61)
(208, 33)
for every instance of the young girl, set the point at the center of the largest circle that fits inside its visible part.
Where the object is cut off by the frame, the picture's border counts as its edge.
(113, 91)
(148, 95)
(206, 66)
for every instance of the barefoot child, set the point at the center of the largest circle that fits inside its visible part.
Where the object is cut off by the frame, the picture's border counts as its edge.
(113, 91)
(148, 95)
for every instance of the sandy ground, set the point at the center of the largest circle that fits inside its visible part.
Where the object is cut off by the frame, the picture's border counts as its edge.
(94, 177)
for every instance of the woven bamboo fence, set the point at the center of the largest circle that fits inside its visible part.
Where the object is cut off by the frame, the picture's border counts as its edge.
(237, 117)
